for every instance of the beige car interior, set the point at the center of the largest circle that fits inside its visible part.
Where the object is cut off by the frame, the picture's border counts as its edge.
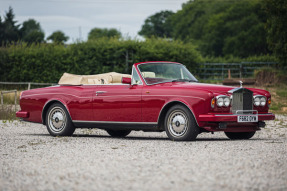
(107, 78)
(148, 74)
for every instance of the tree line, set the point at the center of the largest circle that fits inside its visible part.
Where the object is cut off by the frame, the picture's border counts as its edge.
(224, 28)
(30, 31)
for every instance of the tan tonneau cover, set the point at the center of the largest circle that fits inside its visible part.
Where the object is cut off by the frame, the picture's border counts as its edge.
(107, 78)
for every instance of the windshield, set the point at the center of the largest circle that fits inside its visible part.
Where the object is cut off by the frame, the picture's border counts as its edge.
(154, 73)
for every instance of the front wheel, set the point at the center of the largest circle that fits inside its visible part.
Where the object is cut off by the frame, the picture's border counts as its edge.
(239, 135)
(58, 121)
(180, 124)
(118, 133)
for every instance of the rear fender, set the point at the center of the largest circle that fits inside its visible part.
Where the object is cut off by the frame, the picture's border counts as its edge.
(48, 104)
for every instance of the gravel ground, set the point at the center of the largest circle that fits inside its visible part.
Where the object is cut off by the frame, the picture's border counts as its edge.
(91, 160)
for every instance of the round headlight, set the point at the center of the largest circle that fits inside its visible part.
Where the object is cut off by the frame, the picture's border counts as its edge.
(262, 101)
(219, 102)
(256, 101)
(226, 101)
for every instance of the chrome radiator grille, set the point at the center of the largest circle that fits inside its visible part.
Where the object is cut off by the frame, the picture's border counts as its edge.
(242, 101)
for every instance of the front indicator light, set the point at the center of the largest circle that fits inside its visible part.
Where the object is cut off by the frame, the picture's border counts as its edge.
(212, 102)
(269, 101)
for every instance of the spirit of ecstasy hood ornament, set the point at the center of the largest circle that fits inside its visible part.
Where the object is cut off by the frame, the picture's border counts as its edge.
(240, 83)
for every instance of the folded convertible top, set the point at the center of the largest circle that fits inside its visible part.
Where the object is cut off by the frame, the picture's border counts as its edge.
(106, 78)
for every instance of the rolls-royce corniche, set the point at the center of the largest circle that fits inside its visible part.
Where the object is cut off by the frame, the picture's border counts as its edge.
(157, 96)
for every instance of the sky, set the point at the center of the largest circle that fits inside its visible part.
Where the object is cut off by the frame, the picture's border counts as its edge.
(77, 17)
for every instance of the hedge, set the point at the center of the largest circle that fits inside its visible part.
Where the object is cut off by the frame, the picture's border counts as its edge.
(47, 62)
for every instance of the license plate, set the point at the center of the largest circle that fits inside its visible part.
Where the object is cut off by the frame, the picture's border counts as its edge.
(247, 118)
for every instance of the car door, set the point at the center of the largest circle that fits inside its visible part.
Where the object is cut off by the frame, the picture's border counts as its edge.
(117, 103)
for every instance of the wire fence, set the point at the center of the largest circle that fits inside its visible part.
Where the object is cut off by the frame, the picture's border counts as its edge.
(219, 71)
(214, 71)
(23, 85)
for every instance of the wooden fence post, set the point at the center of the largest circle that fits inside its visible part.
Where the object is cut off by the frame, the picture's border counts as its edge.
(1, 98)
(15, 100)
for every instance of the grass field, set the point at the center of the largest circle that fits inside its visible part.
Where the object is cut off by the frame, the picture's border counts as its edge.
(279, 98)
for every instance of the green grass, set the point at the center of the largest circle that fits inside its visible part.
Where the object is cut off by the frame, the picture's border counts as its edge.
(279, 98)
(7, 113)
(282, 93)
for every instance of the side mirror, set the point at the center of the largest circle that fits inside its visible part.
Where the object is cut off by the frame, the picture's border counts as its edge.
(126, 80)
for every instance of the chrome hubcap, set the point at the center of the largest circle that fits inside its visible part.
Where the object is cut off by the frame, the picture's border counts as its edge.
(57, 119)
(177, 123)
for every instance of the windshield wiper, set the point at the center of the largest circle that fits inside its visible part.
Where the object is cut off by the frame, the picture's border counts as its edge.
(183, 80)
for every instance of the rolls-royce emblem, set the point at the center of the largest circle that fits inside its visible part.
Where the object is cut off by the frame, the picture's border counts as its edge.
(240, 83)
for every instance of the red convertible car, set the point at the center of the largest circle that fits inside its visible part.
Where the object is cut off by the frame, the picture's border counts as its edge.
(157, 96)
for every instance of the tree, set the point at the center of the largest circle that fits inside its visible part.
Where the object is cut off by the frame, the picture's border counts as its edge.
(276, 28)
(9, 29)
(96, 33)
(31, 32)
(58, 37)
(221, 28)
(158, 25)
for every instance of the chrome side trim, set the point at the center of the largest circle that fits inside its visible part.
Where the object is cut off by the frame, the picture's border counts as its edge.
(173, 96)
(57, 101)
(54, 94)
(115, 122)
(225, 115)
(176, 101)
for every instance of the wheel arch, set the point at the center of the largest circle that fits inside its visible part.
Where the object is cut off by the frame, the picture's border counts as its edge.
(166, 107)
(48, 104)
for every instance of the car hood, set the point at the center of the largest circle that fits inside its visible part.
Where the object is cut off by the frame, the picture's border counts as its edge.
(216, 89)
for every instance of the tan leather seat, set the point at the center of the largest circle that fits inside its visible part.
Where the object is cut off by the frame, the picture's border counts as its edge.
(148, 74)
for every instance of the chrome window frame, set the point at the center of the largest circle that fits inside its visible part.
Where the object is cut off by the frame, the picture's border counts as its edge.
(159, 63)
(141, 83)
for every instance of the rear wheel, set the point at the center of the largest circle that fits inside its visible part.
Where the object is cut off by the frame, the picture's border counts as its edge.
(180, 124)
(58, 121)
(118, 133)
(239, 135)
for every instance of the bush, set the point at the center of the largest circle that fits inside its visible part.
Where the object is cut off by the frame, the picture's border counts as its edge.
(47, 62)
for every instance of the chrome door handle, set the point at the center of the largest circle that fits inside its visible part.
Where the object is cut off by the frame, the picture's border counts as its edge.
(100, 92)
